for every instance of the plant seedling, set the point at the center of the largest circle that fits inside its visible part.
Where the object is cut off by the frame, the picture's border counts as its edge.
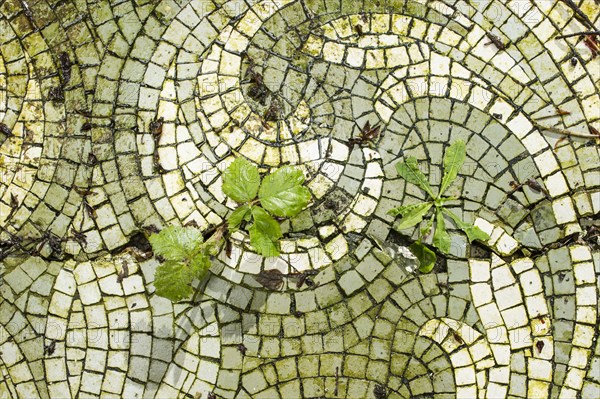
(280, 194)
(414, 214)
(187, 250)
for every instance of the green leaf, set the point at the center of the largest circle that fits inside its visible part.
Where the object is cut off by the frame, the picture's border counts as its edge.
(441, 201)
(409, 170)
(176, 243)
(453, 161)
(473, 232)
(200, 264)
(241, 180)
(411, 214)
(172, 280)
(441, 238)
(235, 219)
(186, 259)
(282, 194)
(425, 256)
(265, 233)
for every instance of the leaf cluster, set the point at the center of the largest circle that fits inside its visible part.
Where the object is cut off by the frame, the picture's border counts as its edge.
(186, 257)
(186, 252)
(280, 194)
(412, 215)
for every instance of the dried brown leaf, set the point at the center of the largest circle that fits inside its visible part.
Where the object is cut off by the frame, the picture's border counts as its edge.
(496, 41)
(591, 43)
(539, 346)
(65, 67)
(270, 279)
(5, 130)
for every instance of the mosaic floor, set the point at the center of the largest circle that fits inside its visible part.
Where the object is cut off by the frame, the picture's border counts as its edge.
(83, 176)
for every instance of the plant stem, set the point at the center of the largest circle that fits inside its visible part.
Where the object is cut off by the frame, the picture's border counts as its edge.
(583, 18)
(593, 32)
(216, 239)
(563, 131)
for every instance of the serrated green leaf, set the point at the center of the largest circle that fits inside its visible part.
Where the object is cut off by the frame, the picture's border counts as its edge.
(241, 181)
(265, 233)
(176, 243)
(425, 256)
(235, 219)
(453, 160)
(411, 214)
(473, 232)
(441, 238)
(409, 170)
(172, 280)
(282, 194)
